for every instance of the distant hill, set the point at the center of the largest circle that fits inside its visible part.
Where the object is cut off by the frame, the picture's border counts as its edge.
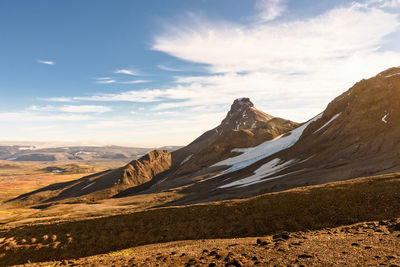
(73, 153)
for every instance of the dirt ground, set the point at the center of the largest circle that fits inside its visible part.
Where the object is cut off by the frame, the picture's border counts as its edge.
(364, 244)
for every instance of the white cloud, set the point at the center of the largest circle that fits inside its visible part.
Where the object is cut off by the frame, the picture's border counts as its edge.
(384, 3)
(166, 68)
(127, 72)
(85, 109)
(33, 117)
(72, 109)
(57, 99)
(269, 9)
(291, 47)
(134, 81)
(46, 62)
(304, 62)
(106, 81)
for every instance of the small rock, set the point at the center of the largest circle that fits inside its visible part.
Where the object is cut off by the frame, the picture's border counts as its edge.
(368, 247)
(355, 244)
(212, 264)
(234, 263)
(254, 258)
(305, 256)
(282, 236)
(212, 253)
(396, 227)
(205, 250)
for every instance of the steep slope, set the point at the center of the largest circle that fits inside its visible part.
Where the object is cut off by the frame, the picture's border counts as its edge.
(108, 183)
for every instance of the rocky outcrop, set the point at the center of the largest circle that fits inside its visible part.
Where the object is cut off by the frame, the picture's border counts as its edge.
(144, 169)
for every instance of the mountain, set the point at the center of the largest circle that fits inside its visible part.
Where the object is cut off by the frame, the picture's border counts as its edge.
(252, 153)
(357, 135)
(243, 126)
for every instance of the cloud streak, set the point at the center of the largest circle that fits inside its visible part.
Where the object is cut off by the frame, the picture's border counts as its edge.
(127, 72)
(72, 109)
(46, 62)
(269, 9)
(166, 68)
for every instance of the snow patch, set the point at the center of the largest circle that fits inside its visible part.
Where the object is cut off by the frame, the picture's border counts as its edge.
(88, 185)
(186, 159)
(240, 150)
(391, 75)
(11, 159)
(384, 118)
(332, 119)
(265, 170)
(266, 149)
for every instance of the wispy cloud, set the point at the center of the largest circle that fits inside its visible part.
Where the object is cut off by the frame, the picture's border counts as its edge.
(134, 81)
(57, 99)
(127, 72)
(46, 62)
(106, 81)
(29, 116)
(385, 3)
(72, 108)
(85, 109)
(269, 9)
(166, 68)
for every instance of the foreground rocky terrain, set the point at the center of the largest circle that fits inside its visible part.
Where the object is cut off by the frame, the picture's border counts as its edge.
(314, 208)
(373, 243)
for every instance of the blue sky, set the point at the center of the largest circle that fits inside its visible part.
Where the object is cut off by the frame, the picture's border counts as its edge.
(152, 73)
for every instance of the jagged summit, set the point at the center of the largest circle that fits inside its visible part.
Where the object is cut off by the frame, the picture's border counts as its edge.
(242, 115)
(241, 102)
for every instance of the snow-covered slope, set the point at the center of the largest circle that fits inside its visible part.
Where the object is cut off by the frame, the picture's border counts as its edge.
(266, 149)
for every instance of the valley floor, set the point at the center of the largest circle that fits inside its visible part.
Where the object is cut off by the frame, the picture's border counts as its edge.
(363, 244)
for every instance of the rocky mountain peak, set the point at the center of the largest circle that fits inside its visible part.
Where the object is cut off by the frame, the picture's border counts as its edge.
(241, 103)
(243, 115)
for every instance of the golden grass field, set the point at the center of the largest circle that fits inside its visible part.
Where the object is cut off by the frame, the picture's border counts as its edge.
(301, 209)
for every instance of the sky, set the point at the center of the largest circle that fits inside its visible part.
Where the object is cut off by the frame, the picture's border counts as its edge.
(154, 73)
